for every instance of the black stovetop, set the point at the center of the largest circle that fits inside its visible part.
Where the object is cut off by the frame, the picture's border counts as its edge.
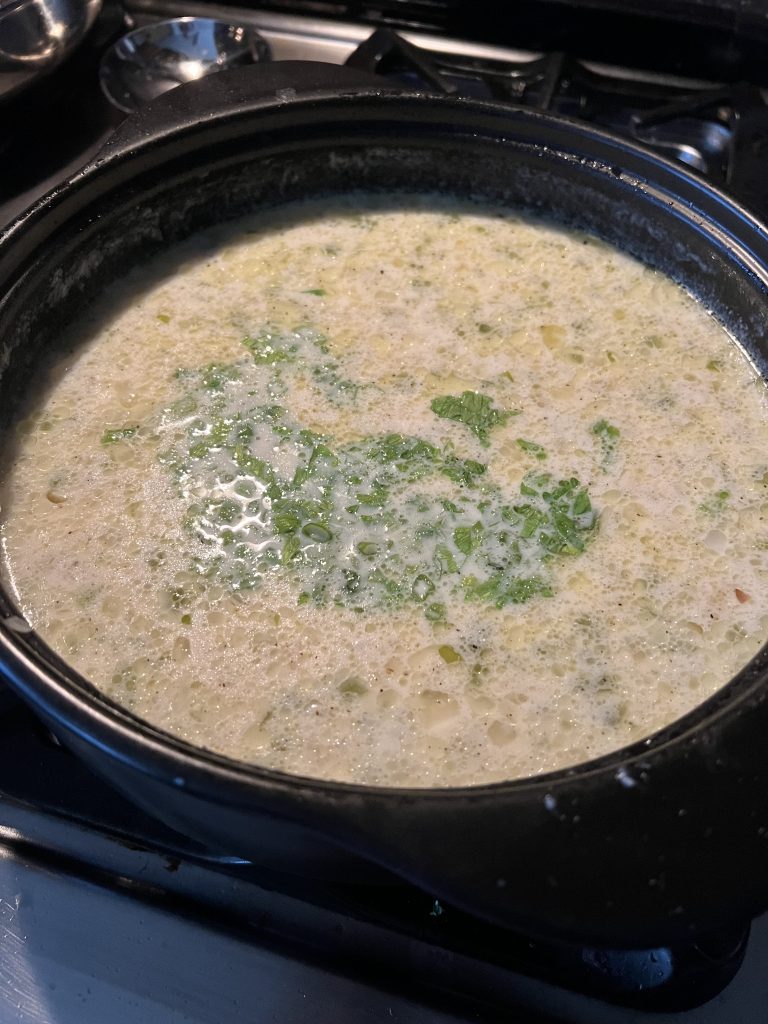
(55, 814)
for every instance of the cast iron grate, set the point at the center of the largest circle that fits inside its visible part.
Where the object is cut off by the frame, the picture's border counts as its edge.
(720, 40)
(719, 131)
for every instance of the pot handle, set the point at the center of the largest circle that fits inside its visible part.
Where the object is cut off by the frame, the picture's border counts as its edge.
(192, 103)
(637, 851)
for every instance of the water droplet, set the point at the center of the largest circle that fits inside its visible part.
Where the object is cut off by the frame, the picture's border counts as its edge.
(623, 777)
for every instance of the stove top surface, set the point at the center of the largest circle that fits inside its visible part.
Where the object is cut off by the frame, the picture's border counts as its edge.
(121, 889)
(108, 914)
(714, 121)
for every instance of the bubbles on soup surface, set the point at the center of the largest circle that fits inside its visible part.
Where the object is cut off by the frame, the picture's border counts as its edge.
(327, 497)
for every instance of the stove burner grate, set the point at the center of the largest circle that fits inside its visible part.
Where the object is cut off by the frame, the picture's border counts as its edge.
(714, 130)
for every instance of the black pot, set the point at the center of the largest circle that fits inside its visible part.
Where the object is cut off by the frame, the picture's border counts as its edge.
(648, 845)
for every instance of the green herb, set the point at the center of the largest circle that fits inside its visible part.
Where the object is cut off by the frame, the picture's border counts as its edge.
(444, 559)
(716, 505)
(216, 375)
(560, 521)
(462, 471)
(608, 436)
(118, 434)
(269, 348)
(453, 508)
(500, 590)
(533, 519)
(351, 525)
(368, 549)
(467, 538)
(212, 435)
(337, 388)
(399, 448)
(291, 548)
(378, 497)
(286, 522)
(604, 429)
(532, 448)
(435, 612)
(314, 291)
(473, 410)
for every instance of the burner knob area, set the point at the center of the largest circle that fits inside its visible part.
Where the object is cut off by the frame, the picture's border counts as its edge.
(150, 60)
(36, 36)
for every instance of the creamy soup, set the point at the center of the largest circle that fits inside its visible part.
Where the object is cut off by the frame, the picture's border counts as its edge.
(417, 494)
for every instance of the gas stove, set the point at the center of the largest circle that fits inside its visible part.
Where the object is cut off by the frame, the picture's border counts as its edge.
(105, 908)
(107, 914)
(688, 99)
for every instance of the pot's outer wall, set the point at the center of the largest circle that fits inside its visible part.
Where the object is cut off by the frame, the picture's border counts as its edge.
(642, 847)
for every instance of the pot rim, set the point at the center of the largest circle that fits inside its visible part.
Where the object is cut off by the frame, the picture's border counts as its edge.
(47, 682)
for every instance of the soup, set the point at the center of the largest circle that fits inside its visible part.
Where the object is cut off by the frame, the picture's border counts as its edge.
(420, 493)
